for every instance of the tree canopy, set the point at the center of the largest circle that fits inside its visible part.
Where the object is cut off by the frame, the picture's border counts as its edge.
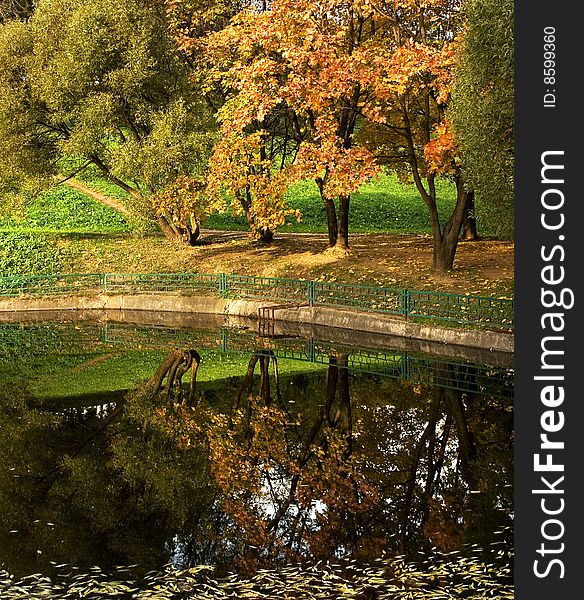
(195, 107)
(330, 93)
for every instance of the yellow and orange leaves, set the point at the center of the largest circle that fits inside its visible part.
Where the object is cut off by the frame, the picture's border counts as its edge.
(180, 201)
(236, 169)
(343, 170)
(321, 64)
(302, 57)
(441, 153)
(407, 68)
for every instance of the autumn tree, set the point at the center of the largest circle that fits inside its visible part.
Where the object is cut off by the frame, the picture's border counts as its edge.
(483, 109)
(408, 128)
(294, 94)
(242, 176)
(102, 84)
(348, 86)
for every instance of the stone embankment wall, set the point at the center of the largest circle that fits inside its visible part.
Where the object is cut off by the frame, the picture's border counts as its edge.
(316, 316)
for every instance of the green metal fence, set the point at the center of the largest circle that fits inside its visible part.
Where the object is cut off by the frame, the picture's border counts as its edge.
(47, 285)
(125, 283)
(472, 310)
(478, 311)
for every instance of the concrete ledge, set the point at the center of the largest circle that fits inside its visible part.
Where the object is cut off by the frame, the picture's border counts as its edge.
(231, 310)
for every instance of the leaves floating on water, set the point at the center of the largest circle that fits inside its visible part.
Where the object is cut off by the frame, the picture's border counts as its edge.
(443, 577)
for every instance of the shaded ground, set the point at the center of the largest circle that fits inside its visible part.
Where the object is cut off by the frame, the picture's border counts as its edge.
(483, 267)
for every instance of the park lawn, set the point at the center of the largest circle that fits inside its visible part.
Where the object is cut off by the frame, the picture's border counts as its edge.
(90, 237)
(382, 205)
(62, 210)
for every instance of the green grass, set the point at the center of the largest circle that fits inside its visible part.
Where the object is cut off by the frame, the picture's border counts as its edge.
(92, 177)
(112, 369)
(382, 205)
(25, 253)
(64, 210)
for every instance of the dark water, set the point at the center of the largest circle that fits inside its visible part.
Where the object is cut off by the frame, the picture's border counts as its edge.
(142, 445)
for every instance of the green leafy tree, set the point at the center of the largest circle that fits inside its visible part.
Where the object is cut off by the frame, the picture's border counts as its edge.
(483, 109)
(103, 83)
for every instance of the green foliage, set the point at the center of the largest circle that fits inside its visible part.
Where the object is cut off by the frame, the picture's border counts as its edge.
(482, 110)
(28, 254)
(107, 87)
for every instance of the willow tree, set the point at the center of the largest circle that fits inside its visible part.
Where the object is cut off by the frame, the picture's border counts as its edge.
(483, 109)
(100, 83)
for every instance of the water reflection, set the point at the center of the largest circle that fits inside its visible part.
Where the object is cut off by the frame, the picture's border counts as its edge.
(263, 467)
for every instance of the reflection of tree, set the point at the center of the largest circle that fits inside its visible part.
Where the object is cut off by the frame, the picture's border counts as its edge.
(265, 469)
(176, 365)
(446, 410)
(444, 465)
(290, 479)
(100, 491)
(353, 473)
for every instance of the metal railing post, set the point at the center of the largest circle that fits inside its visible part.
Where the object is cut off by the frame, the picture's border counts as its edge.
(311, 292)
(405, 303)
(311, 350)
(223, 284)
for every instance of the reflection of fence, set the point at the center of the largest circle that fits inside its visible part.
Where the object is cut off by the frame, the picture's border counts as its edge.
(483, 380)
(478, 311)
(18, 340)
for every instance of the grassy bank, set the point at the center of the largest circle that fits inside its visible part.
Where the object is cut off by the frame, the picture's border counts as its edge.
(383, 205)
(66, 231)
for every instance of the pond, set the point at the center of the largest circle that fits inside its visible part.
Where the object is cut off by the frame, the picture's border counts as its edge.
(196, 457)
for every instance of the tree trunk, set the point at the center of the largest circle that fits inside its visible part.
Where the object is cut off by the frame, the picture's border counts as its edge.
(469, 224)
(446, 241)
(444, 252)
(331, 220)
(266, 235)
(343, 222)
(184, 233)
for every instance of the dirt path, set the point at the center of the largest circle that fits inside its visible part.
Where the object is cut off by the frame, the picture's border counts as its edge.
(107, 200)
